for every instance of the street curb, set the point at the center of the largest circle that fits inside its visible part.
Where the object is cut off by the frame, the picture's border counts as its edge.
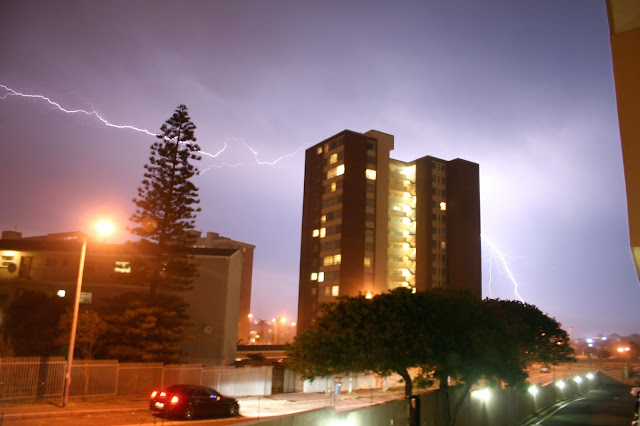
(62, 413)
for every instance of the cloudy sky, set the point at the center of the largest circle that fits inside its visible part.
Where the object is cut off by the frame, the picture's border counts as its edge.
(523, 88)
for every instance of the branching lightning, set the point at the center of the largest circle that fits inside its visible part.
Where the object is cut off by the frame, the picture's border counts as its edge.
(11, 92)
(498, 257)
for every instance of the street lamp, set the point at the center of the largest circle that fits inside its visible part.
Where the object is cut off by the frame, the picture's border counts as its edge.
(104, 228)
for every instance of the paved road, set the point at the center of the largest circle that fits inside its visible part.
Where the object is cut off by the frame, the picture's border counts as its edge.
(609, 405)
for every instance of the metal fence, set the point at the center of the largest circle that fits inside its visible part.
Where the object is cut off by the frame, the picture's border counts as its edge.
(34, 378)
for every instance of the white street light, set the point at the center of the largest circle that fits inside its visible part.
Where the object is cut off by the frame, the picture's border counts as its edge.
(103, 228)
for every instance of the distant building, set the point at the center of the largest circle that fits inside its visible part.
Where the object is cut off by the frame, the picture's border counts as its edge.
(371, 223)
(215, 240)
(50, 264)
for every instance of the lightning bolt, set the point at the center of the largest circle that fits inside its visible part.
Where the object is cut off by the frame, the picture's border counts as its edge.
(499, 258)
(94, 113)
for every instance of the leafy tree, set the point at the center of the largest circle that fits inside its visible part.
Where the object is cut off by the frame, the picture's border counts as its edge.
(31, 324)
(538, 336)
(91, 328)
(446, 334)
(166, 205)
(146, 328)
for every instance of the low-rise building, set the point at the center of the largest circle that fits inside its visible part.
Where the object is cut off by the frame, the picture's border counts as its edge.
(50, 264)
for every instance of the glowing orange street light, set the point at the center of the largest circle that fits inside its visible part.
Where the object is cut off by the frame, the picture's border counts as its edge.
(103, 228)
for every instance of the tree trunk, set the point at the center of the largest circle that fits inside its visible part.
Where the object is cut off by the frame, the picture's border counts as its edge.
(408, 384)
(444, 397)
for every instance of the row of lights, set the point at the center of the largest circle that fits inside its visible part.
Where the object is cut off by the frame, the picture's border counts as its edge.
(484, 394)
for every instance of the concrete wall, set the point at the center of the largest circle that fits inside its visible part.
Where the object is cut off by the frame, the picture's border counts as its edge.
(503, 407)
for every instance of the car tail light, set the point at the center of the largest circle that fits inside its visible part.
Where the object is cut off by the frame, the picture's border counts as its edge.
(174, 399)
(163, 393)
(153, 394)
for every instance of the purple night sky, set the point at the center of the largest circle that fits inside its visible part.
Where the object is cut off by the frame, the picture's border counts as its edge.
(523, 88)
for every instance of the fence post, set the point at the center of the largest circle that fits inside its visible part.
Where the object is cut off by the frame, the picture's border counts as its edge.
(117, 380)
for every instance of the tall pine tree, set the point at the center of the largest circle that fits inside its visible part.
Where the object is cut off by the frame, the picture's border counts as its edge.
(167, 204)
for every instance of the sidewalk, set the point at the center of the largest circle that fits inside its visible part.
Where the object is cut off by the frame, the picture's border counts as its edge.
(250, 407)
(73, 408)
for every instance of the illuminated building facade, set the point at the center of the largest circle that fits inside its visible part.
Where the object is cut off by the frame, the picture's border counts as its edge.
(49, 264)
(371, 223)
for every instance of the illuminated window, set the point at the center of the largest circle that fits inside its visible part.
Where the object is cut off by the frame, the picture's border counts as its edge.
(314, 276)
(333, 158)
(319, 150)
(367, 261)
(336, 172)
(335, 290)
(316, 232)
(370, 174)
(323, 232)
(406, 220)
(443, 244)
(332, 260)
(406, 246)
(327, 291)
(408, 171)
(320, 277)
(61, 293)
(406, 195)
(122, 267)
(323, 218)
(406, 272)
(333, 187)
(443, 206)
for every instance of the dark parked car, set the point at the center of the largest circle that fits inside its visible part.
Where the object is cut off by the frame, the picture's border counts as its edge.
(189, 401)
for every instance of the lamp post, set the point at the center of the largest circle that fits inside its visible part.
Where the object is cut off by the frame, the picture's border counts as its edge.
(103, 228)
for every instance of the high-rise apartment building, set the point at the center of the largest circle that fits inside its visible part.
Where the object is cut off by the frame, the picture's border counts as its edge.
(371, 223)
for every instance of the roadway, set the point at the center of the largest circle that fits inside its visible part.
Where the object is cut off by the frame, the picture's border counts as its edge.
(611, 404)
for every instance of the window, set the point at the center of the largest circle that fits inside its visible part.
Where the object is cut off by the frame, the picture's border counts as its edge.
(333, 158)
(319, 151)
(335, 290)
(320, 277)
(370, 174)
(443, 206)
(86, 297)
(314, 276)
(333, 187)
(122, 267)
(367, 261)
(323, 218)
(315, 233)
(323, 232)
(443, 244)
(332, 260)
(327, 291)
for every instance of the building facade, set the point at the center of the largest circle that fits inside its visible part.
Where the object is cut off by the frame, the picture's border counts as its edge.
(371, 223)
(215, 240)
(50, 264)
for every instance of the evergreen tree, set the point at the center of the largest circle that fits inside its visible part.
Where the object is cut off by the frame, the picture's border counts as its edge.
(166, 205)
(145, 328)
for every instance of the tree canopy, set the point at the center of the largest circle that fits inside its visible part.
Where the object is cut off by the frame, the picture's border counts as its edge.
(167, 201)
(446, 334)
(31, 324)
(145, 328)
